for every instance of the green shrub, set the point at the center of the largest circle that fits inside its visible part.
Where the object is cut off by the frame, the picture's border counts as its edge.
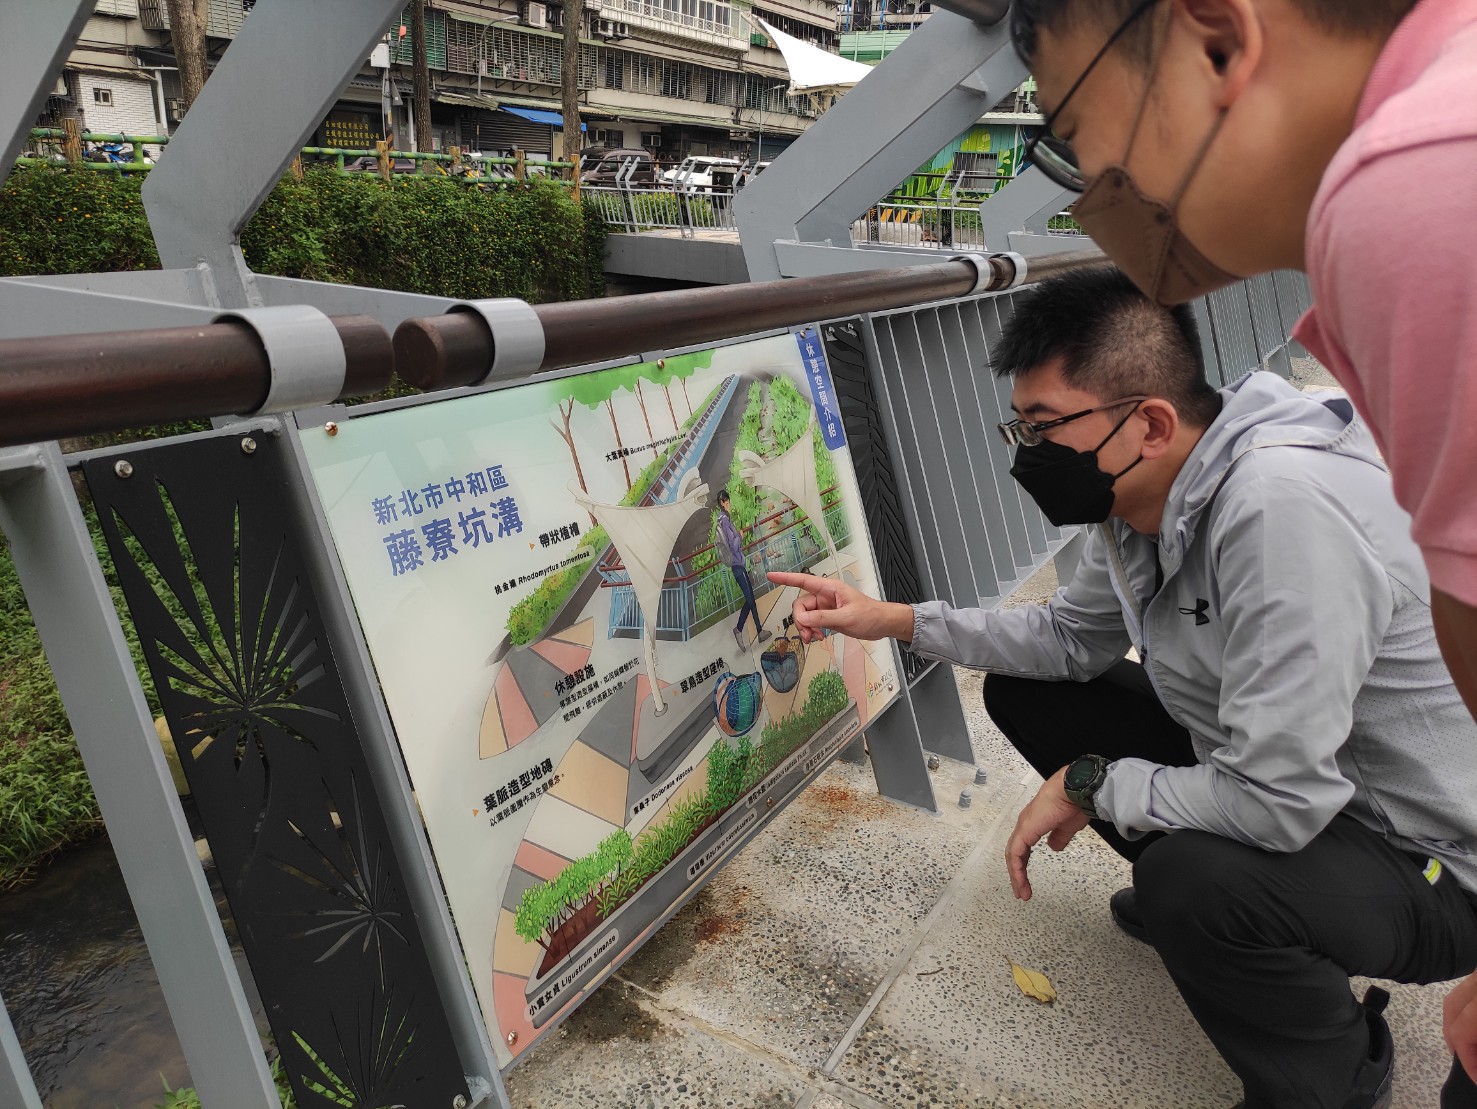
(419, 234)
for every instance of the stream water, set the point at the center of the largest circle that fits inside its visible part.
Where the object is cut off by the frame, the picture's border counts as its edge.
(76, 977)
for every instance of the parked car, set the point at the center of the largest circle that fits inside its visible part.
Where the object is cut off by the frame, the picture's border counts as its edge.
(748, 173)
(611, 163)
(701, 173)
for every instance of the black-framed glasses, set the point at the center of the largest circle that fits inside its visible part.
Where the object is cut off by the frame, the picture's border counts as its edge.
(1055, 156)
(1023, 433)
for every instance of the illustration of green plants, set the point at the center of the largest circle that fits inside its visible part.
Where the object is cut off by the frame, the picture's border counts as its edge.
(618, 867)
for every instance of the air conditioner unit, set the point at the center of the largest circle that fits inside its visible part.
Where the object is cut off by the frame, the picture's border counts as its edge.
(538, 16)
(175, 108)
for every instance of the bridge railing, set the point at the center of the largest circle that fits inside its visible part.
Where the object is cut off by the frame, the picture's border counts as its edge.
(908, 352)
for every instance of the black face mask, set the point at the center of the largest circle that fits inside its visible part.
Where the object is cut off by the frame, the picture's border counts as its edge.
(1066, 484)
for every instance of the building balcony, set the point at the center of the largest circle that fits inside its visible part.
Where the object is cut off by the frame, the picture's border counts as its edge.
(662, 19)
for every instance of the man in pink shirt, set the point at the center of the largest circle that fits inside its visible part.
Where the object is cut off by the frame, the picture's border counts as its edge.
(1217, 139)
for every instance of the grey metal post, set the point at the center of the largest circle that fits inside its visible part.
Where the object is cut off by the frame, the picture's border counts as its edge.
(38, 36)
(934, 86)
(199, 198)
(16, 1086)
(1016, 216)
(79, 627)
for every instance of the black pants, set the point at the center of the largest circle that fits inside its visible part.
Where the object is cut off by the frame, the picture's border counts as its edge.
(1261, 944)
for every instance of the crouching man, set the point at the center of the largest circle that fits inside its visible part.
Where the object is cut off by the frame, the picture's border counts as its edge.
(1289, 767)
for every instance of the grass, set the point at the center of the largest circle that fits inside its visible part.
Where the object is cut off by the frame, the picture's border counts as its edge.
(186, 1097)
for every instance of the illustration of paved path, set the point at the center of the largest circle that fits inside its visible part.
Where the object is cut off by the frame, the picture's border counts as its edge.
(712, 468)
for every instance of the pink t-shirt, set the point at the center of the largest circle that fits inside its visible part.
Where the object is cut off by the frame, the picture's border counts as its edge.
(1392, 260)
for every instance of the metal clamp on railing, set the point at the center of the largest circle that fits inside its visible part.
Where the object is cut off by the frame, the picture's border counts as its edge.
(517, 335)
(994, 272)
(305, 355)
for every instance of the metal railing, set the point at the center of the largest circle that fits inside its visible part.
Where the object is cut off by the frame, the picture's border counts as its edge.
(635, 209)
(943, 225)
(48, 146)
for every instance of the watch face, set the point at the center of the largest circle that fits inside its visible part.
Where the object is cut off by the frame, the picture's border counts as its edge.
(1080, 774)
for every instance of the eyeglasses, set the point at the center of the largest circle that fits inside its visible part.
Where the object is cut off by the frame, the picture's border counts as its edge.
(1055, 156)
(1023, 433)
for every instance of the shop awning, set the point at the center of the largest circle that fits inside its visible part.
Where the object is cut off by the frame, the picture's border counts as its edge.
(537, 115)
(466, 100)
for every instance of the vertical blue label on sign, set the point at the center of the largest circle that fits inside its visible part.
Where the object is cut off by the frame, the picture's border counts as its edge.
(822, 392)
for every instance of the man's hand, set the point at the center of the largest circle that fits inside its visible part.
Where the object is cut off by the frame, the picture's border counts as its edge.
(1459, 1024)
(827, 604)
(1049, 814)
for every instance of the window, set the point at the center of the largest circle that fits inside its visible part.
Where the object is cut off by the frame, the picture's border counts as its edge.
(651, 139)
(615, 69)
(717, 88)
(677, 80)
(102, 96)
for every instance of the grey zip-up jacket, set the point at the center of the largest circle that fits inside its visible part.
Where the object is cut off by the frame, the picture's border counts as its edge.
(1291, 636)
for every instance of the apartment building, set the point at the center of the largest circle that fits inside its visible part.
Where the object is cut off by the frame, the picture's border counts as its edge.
(677, 77)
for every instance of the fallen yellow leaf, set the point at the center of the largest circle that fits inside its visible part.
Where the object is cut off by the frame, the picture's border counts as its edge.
(1033, 983)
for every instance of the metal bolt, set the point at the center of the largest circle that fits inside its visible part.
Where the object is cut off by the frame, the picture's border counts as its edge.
(512, 1038)
(123, 468)
(331, 428)
(979, 776)
(459, 1102)
(248, 445)
(933, 762)
(966, 799)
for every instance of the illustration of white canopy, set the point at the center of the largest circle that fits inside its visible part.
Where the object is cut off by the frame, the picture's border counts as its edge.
(793, 474)
(811, 68)
(643, 537)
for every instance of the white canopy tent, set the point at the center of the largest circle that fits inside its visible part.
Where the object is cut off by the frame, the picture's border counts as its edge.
(813, 70)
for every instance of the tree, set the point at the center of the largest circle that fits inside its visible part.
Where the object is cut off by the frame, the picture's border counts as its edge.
(593, 390)
(683, 366)
(187, 19)
(420, 77)
(566, 410)
(662, 374)
(641, 400)
(569, 82)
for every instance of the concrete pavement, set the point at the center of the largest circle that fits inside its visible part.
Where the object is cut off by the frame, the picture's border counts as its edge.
(857, 955)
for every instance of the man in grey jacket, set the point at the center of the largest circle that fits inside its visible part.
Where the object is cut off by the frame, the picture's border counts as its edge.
(1290, 769)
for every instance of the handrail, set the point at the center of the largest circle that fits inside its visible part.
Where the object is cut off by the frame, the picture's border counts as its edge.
(61, 386)
(67, 385)
(453, 350)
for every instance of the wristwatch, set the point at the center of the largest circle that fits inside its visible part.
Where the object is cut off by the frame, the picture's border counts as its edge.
(1083, 779)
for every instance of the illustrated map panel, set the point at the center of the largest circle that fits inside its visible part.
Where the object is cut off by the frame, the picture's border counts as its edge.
(598, 693)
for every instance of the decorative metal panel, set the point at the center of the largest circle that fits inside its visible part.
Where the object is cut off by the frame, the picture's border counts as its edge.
(875, 476)
(213, 578)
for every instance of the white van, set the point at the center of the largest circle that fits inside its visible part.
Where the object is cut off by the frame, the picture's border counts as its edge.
(700, 173)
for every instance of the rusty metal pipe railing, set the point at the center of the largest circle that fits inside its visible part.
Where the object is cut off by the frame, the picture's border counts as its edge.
(456, 349)
(70, 385)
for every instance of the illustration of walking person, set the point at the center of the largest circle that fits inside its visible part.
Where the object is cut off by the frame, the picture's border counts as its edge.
(731, 548)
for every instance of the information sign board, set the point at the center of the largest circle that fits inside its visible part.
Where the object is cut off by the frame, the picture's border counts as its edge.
(598, 693)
